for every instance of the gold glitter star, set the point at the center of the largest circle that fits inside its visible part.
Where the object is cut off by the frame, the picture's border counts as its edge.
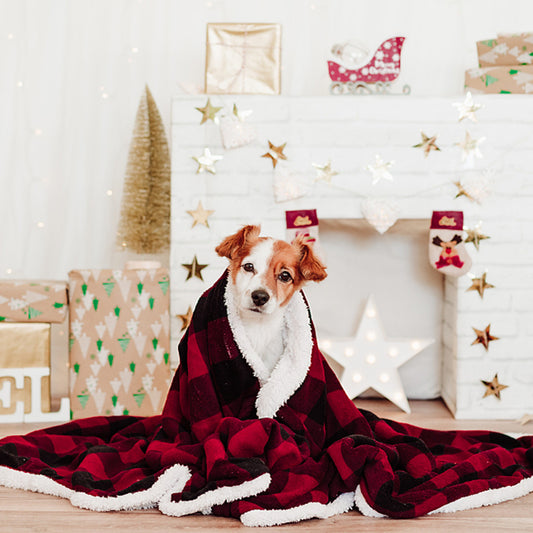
(207, 161)
(209, 112)
(194, 268)
(475, 237)
(275, 153)
(468, 108)
(480, 284)
(494, 387)
(427, 144)
(324, 172)
(484, 337)
(200, 215)
(185, 319)
(462, 192)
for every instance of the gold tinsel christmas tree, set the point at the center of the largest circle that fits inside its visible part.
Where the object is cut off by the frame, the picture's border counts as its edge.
(144, 225)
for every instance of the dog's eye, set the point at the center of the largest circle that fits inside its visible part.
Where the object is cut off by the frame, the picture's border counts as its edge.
(284, 276)
(248, 267)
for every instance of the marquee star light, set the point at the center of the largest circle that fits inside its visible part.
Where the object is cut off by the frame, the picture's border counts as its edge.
(380, 170)
(494, 387)
(427, 144)
(470, 147)
(275, 153)
(200, 215)
(207, 161)
(370, 360)
(194, 269)
(484, 337)
(209, 112)
(480, 284)
(324, 172)
(468, 108)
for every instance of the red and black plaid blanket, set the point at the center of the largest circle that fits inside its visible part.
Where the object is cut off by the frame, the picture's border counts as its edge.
(213, 450)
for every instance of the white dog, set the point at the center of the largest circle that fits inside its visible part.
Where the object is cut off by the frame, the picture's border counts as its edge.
(264, 273)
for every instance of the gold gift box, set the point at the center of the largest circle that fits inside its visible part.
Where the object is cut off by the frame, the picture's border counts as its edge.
(24, 346)
(243, 58)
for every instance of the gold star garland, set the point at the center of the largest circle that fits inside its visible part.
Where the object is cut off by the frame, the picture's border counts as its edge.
(209, 112)
(484, 337)
(275, 153)
(194, 269)
(185, 319)
(480, 284)
(427, 144)
(200, 215)
(475, 237)
(494, 387)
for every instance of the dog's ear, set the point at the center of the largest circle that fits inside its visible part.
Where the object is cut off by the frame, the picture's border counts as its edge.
(311, 267)
(232, 244)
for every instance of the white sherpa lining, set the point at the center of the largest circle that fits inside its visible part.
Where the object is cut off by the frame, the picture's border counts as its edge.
(205, 501)
(275, 517)
(172, 480)
(291, 369)
(481, 499)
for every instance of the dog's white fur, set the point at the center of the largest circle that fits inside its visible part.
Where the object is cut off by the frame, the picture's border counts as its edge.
(263, 264)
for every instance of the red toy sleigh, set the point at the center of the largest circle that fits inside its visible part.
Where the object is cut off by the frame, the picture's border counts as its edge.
(374, 77)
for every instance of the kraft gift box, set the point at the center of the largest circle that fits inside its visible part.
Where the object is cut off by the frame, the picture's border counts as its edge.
(119, 341)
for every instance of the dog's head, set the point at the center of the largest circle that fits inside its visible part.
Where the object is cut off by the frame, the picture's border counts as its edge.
(266, 272)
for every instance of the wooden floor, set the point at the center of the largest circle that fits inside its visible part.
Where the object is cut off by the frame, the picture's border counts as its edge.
(25, 511)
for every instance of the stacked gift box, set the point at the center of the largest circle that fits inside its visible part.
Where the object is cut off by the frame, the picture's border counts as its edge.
(505, 65)
(119, 341)
(28, 311)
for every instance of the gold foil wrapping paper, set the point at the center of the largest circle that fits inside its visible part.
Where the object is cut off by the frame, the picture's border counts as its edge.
(243, 58)
(24, 346)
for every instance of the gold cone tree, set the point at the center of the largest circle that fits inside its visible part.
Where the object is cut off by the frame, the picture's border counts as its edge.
(144, 225)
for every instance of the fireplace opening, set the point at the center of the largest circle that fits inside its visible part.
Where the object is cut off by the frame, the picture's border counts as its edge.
(409, 294)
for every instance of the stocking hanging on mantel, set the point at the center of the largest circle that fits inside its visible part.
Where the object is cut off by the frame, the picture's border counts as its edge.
(303, 222)
(144, 225)
(447, 252)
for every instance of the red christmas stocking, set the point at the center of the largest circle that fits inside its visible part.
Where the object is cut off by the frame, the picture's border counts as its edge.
(447, 252)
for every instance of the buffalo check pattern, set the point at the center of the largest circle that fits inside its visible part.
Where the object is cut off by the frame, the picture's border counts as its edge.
(208, 451)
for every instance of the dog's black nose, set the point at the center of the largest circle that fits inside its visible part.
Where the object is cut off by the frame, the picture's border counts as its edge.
(260, 297)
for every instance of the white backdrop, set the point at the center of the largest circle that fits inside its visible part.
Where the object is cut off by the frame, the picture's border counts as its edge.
(73, 72)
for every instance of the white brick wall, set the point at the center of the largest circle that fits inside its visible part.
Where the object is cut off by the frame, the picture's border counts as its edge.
(351, 131)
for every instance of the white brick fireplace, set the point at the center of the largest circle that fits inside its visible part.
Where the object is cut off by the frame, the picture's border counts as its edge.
(350, 131)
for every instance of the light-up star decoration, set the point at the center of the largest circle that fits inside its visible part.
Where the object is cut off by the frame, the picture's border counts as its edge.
(207, 161)
(470, 148)
(380, 170)
(468, 108)
(371, 360)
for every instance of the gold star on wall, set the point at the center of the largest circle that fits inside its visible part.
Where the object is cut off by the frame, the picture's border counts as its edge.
(524, 419)
(475, 237)
(462, 192)
(207, 161)
(484, 337)
(194, 268)
(468, 108)
(275, 153)
(480, 284)
(200, 215)
(428, 144)
(324, 172)
(185, 319)
(209, 112)
(494, 387)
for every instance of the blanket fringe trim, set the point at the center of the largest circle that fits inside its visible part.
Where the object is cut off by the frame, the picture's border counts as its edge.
(481, 499)
(170, 481)
(275, 517)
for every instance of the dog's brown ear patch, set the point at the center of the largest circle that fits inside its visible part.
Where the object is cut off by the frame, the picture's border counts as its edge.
(311, 267)
(232, 244)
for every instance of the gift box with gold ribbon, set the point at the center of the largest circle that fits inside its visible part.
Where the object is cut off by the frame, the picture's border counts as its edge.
(243, 58)
(24, 350)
